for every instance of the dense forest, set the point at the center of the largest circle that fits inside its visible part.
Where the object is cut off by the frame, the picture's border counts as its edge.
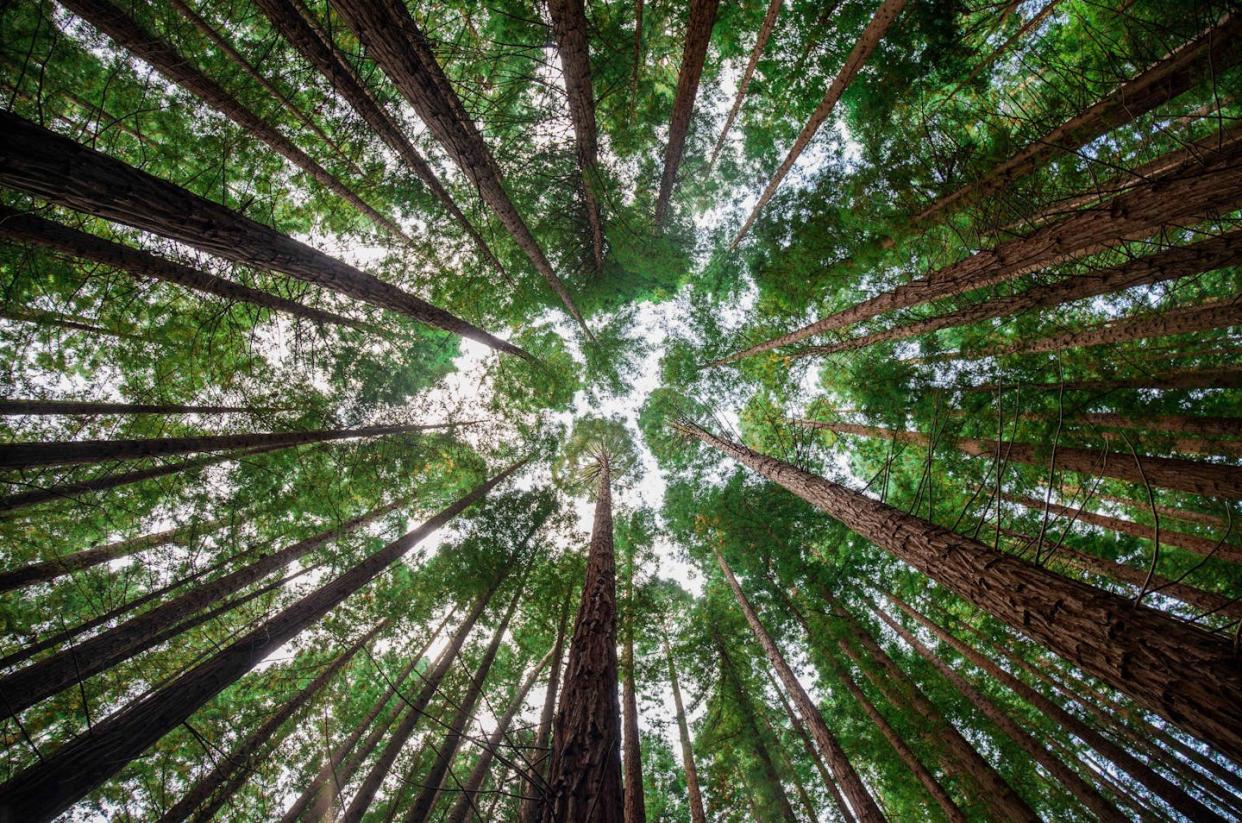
(621, 410)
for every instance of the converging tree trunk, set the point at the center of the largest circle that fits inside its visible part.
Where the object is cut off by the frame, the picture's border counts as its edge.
(808, 746)
(697, 812)
(761, 42)
(532, 803)
(631, 751)
(1223, 377)
(14, 407)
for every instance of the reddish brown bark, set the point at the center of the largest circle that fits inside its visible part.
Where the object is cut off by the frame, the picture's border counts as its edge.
(46, 165)
(695, 794)
(635, 810)
(1223, 377)
(532, 803)
(43, 408)
(1211, 426)
(761, 42)
(394, 41)
(693, 56)
(863, 805)
(808, 746)
(1181, 672)
(29, 228)
(58, 781)
(879, 24)
(569, 23)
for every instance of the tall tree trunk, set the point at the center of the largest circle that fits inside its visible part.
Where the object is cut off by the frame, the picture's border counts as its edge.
(1198, 189)
(1174, 795)
(1195, 477)
(637, 57)
(1181, 672)
(808, 746)
(1185, 515)
(24, 455)
(159, 54)
(28, 686)
(433, 781)
(1211, 52)
(1064, 774)
(693, 56)
(1170, 264)
(58, 781)
(631, 751)
(14, 407)
(761, 42)
(862, 804)
(1222, 377)
(47, 570)
(697, 813)
(396, 43)
(215, 787)
(865, 45)
(43, 317)
(1176, 423)
(287, 18)
(46, 165)
(470, 789)
(21, 227)
(532, 803)
(569, 23)
(584, 780)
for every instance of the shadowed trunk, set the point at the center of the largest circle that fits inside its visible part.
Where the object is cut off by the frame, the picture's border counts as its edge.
(761, 42)
(631, 750)
(697, 813)
(1181, 672)
(85, 408)
(43, 318)
(1185, 424)
(1224, 377)
(808, 746)
(532, 804)
(44, 790)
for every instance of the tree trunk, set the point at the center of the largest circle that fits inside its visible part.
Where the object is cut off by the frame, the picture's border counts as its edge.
(394, 41)
(1170, 264)
(24, 455)
(43, 317)
(1199, 189)
(761, 42)
(48, 570)
(1181, 424)
(1065, 775)
(45, 408)
(328, 60)
(693, 56)
(46, 165)
(697, 813)
(470, 790)
(433, 781)
(1181, 672)
(1174, 795)
(1224, 377)
(584, 781)
(862, 805)
(865, 45)
(637, 59)
(1213, 51)
(631, 749)
(215, 787)
(1185, 515)
(1194, 477)
(58, 781)
(160, 55)
(570, 26)
(21, 227)
(532, 803)
(808, 746)
(30, 685)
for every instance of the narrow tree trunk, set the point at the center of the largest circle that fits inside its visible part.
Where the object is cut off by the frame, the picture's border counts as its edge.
(697, 813)
(761, 42)
(215, 787)
(866, 44)
(1183, 424)
(28, 686)
(808, 746)
(45, 408)
(434, 780)
(1180, 672)
(631, 751)
(532, 804)
(1174, 795)
(570, 26)
(396, 43)
(43, 317)
(862, 804)
(21, 227)
(1223, 377)
(1185, 515)
(47, 570)
(637, 58)
(693, 56)
(159, 54)
(58, 781)
(44, 164)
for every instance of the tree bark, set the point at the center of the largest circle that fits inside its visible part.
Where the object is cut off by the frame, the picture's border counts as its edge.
(1194, 477)
(44, 408)
(395, 42)
(43, 317)
(30, 685)
(584, 780)
(631, 750)
(875, 30)
(58, 781)
(532, 804)
(862, 804)
(29, 228)
(433, 781)
(159, 54)
(761, 42)
(808, 746)
(1181, 672)
(697, 813)
(1183, 424)
(693, 56)
(46, 165)
(569, 23)
(1223, 377)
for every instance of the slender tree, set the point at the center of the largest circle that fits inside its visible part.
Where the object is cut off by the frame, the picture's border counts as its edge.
(761, 42)
(631, 744)
(13, 407)
(695, 794)
(531, 809)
